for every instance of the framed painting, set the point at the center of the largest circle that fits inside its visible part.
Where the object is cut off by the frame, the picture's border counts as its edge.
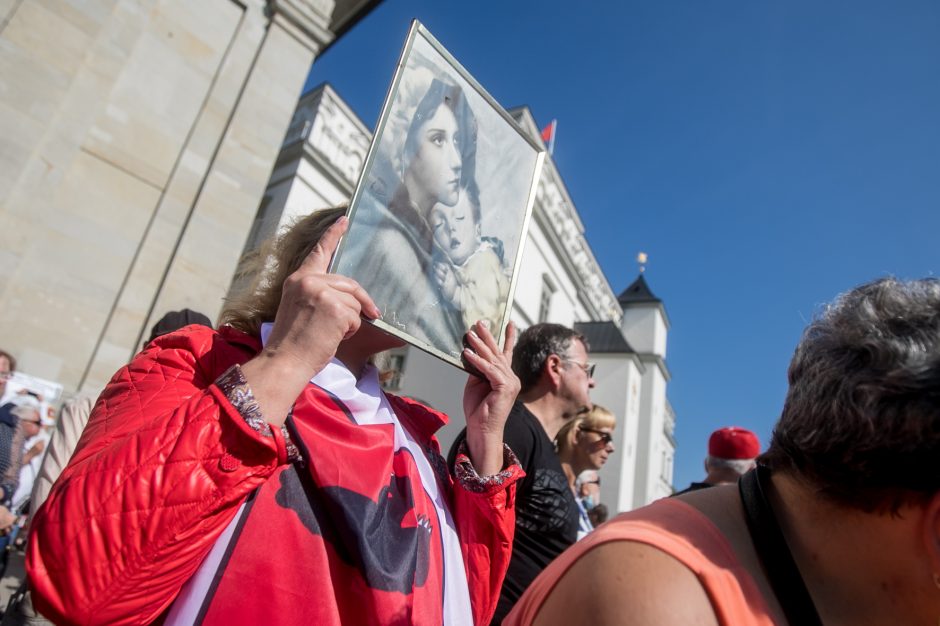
(440, 213)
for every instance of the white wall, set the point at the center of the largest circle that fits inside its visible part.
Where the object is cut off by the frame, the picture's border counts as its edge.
(645, 328)
(319, 165)
(540, 259)
(651, 442)
(618, 379)
(438, 384)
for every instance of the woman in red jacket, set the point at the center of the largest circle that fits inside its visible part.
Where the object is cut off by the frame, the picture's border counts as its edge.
(258, 473)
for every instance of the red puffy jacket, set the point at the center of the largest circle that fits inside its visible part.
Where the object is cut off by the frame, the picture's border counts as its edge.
(161, 469)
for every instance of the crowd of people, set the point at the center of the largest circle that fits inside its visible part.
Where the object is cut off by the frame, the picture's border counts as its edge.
(25, 421)
(257, 472)
(837, 522)
(184, 485)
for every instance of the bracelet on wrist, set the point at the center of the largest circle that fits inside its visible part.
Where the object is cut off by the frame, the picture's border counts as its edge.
(235, 386)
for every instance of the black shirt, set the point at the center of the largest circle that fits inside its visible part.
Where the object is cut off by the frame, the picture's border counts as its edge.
(693, 487)
(546, 511)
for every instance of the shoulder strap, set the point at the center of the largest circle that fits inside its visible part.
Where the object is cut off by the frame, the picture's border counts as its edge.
(772, 550)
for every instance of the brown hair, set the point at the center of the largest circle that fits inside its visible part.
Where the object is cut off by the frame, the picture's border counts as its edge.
(257, 303)
(9, 357)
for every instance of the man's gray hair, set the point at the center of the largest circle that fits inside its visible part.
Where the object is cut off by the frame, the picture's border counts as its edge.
(861, 420)
(535, 345)
(739, 466)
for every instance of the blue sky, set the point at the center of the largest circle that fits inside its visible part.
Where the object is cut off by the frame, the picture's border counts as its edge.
(766, 156)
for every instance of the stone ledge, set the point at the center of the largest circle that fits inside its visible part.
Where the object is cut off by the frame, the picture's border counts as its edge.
(307, 20)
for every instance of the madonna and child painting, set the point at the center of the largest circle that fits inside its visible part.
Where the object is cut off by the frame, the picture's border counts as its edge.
(438, 218)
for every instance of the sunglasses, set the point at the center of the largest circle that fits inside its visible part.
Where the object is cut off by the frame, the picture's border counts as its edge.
(587, 367)
(605, 436)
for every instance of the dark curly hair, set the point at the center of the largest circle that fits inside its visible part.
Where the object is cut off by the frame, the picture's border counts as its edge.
(861, 420)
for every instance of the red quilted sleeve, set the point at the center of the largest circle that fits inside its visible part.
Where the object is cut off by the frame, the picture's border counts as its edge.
(157, 475)
(485, 515)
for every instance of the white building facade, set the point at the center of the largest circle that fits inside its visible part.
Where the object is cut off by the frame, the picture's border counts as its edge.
(559, 281)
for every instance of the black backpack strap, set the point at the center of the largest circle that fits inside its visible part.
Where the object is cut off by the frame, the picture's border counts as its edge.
(773, 552)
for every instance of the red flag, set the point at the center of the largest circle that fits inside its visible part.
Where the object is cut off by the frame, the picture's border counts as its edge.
(548, 136)
(548, 132)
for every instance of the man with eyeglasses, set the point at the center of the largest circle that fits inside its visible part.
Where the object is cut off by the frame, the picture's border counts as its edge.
(27, 423)
(551, 362)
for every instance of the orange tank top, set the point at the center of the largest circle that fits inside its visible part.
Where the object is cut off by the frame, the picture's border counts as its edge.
(680, 531)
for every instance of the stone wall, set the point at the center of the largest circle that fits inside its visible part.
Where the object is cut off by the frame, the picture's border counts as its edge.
(138, 137)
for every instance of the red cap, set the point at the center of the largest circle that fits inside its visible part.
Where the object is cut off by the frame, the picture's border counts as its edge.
(733, 443)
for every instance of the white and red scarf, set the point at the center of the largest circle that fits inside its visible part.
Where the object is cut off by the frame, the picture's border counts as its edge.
(360, 533)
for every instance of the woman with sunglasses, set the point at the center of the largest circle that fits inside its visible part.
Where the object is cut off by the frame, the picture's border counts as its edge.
(584, 443)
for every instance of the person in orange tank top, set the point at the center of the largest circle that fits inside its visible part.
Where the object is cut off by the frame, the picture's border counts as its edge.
(839, 523)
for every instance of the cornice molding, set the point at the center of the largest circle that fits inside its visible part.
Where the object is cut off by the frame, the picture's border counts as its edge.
(622, 356)
(308, 21)
(659, 361)
(331, 135)
(561, 219)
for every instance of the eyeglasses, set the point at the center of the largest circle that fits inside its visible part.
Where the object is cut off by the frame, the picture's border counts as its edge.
(605, 436)
(587, 367)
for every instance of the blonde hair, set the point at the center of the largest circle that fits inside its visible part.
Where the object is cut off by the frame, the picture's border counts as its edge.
(258, 302)
(595, 418)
